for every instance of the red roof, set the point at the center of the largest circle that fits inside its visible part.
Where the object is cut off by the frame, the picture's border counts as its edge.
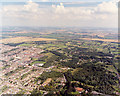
(79, 89)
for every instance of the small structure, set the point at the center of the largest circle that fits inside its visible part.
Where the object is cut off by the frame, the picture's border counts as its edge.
(47, 82)
(39, 82)
(80, 90)
(39, 64)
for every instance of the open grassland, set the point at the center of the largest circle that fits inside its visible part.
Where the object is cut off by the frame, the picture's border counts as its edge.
(106, 40)
(24, 39)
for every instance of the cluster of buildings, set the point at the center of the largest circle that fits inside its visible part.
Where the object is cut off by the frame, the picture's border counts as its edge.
(16, 74)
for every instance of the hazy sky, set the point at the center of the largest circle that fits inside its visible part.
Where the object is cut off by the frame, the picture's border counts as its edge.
(70, 13)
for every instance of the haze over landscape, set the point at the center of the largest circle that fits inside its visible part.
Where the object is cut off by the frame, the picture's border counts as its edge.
(59, 48)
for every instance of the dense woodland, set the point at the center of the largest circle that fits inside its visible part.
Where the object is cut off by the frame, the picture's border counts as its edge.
(89, 67)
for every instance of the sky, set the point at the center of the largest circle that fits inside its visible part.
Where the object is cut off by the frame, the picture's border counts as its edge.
(54, 0)
(59, 13)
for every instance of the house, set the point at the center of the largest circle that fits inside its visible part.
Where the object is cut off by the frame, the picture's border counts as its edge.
(80, 90)
(39, 82)
(47, 82)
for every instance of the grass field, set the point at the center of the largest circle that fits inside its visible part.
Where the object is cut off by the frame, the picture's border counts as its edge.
(24, 39)
(106, 40)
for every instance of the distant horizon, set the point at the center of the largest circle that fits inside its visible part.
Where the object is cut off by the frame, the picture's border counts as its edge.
(60, 27)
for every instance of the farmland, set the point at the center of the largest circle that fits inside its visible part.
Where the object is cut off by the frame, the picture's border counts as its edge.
(59, 61)
(24, 39)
